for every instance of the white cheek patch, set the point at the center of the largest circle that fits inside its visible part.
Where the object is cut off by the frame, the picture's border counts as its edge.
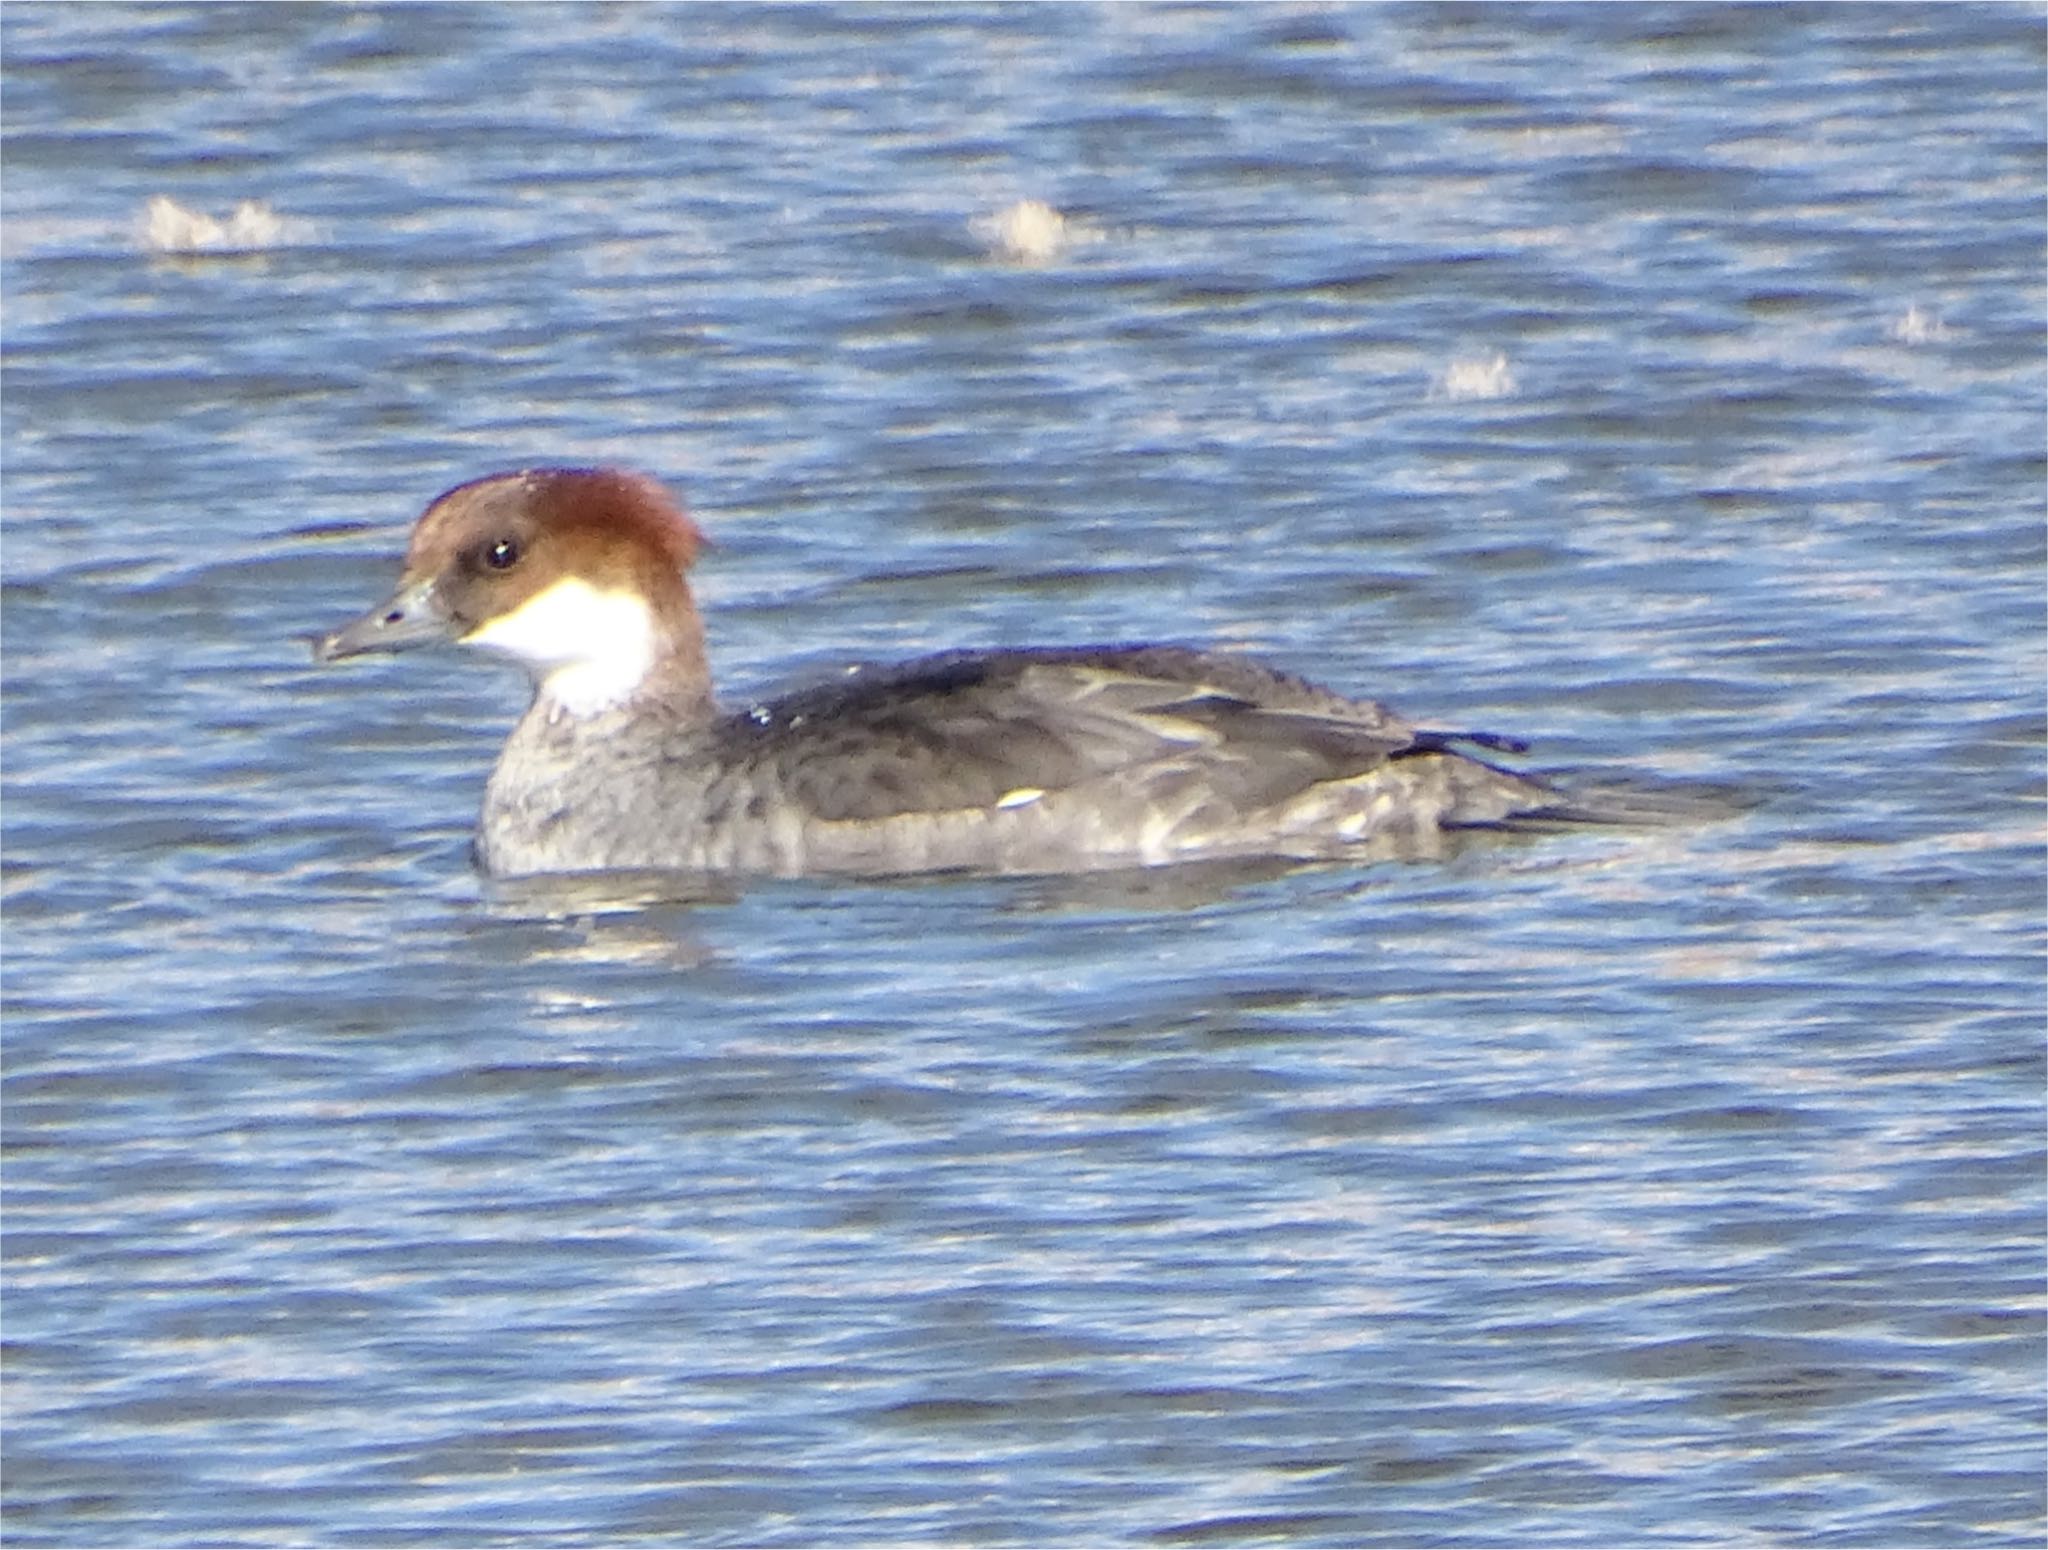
(588, 648)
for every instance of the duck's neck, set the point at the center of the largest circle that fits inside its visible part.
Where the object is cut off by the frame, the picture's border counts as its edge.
(586, 777)
(593, 652)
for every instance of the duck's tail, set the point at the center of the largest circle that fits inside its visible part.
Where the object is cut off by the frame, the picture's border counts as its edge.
(1558, 800)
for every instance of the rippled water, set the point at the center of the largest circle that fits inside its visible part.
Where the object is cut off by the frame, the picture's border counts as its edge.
(1662, 385)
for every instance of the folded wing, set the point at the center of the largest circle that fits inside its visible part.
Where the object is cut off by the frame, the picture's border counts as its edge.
(972, 730)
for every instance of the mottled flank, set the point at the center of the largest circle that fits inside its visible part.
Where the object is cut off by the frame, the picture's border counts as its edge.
(1013, 761)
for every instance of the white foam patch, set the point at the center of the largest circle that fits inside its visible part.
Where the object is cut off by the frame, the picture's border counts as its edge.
(1031, 232)
(1917, 327)
(1489, 377)
(588, 648)
(169, 227)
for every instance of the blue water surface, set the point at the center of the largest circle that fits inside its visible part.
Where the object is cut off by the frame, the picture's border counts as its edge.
(1661, 384)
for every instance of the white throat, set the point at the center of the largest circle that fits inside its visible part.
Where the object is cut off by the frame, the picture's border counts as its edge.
(588, 649)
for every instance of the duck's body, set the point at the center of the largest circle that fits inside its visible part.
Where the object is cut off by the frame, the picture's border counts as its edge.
(1050, 760)
(1007, 761)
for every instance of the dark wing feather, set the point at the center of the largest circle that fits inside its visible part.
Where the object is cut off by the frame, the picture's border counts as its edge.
(968, 729)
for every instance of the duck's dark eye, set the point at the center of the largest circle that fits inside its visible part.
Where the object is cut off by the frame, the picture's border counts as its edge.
(503, 554)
